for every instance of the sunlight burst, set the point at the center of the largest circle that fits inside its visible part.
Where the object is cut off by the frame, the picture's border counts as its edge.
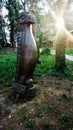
(60, 23)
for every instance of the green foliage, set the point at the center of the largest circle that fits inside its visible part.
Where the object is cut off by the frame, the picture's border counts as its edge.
(7, 69)
(45, 93)
(10, 128)
(41, 110)
(69, 70)
(13, 8)
(31, 123)
(64, 118)
(47, 125)
(45, 51)
(23, 114)
(64, 97)
(56, 73)
(48, 62)
(67, 73)
(69, 51)
(27, 118)
(1, 34)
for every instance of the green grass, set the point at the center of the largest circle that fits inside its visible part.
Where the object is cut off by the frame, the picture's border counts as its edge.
(30, 123)
(64, 118)
(69, 70)
(41, 110)
(8, 67)
(69, 51)
(48, 126)
(48, 62)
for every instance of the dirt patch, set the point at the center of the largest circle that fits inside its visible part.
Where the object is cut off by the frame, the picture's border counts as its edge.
(50, 109)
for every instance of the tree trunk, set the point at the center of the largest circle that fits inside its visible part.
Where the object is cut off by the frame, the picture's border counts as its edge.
(60, 51)
(12, 34)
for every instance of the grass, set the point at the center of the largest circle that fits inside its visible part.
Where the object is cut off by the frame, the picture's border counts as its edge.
(48, 62)
(64, 97)
(69, 51)
(48, 126)
(8, 67)
(64, 118)
(30, 123)
(41, 110)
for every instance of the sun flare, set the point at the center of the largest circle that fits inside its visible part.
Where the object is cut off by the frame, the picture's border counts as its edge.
(60, 23)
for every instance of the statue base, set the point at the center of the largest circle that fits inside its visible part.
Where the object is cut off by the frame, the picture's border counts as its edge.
(27, 90)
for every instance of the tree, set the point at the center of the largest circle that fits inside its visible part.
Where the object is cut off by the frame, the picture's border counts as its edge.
(2, 27)
(60, 51)
(13, 8)
(2, 32)
(61, 38)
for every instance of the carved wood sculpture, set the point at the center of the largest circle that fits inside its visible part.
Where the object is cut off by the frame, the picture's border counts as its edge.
(26, 53)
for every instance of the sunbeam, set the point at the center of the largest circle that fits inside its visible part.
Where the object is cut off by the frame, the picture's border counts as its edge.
(60, 23)
(58, 18)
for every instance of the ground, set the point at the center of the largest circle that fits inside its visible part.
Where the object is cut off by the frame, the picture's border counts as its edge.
(50, 107)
